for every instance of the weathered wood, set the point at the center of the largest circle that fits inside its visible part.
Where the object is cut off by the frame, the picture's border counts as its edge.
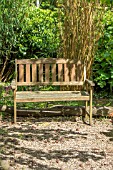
(47, 72)
(71, 83)
(79, 72)
(90, 108)
(50, 71)
(40, 74)
(21, 73)
(45, 60)
(40, 96)
(58, 110)
(72, 72)
(89, 82)
(15, 113)
(34, 72)
(66, 71)
(48, 112)
(27, 72)
(60, 72)
(53, 72)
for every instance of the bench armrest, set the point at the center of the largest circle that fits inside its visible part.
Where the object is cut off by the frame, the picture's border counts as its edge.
(13, 84)
(89, 82)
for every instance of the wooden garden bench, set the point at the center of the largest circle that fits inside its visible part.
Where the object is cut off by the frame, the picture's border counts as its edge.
(55, 72)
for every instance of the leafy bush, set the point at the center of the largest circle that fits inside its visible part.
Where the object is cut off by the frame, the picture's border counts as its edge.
(40, 35)
(103, 63)
(25, 32)
(11, 19)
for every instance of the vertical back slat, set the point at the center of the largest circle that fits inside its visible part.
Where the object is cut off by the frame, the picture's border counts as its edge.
(72, 72)
(53, 72)
(40, 72)
(34, 75)
(81, 72)
(21, 73)
(78, 70)
(66, 73)
(27, 72)
(47, 72)
(60, 72)
(84, 72)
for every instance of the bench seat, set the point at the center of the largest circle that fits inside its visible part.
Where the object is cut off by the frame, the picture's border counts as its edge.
(44, 96)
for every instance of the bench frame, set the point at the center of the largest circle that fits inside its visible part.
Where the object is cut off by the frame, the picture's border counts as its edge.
(56, 72)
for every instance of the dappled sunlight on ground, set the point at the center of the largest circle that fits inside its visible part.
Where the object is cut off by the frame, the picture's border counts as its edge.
(56, 144)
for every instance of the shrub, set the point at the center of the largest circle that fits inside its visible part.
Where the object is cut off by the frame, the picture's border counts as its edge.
(40, 35)
(11, 18)
(103, 64)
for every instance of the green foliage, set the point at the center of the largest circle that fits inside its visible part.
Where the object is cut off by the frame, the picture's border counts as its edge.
(11, 18)
(49, 4)
(25, 32)
(6, 94)
(103, 64)
(39, 36)
(107, 2)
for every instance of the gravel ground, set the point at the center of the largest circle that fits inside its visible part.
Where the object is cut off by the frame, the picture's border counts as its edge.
(56, 144)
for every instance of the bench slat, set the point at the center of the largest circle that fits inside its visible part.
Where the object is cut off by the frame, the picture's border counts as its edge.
(40, 72)
(50, 83)
(27, 72)
(21, 73)
(66, 71)
(40, 96)
(72, 72)
(53, 72)
(34, 71)
(60, 72)
(47, 72)
(79, 71)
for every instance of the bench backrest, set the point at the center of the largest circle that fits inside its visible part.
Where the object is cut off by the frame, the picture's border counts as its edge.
(49, 71)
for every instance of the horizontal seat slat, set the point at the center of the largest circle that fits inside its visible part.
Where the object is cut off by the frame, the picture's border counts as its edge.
(42, 96)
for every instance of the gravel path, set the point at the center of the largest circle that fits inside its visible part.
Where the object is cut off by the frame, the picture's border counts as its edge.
(56, 144)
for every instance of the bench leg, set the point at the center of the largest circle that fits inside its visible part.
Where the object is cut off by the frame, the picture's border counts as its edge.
(90, 108)
(14, 106)
(86, 109)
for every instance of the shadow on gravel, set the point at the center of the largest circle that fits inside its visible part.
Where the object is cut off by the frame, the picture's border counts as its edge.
(10, 147)
(109, 134)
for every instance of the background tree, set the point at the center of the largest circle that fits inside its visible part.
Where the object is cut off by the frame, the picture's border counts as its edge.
(81, 30)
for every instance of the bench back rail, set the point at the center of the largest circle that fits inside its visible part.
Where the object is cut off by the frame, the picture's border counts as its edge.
(49, 71)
